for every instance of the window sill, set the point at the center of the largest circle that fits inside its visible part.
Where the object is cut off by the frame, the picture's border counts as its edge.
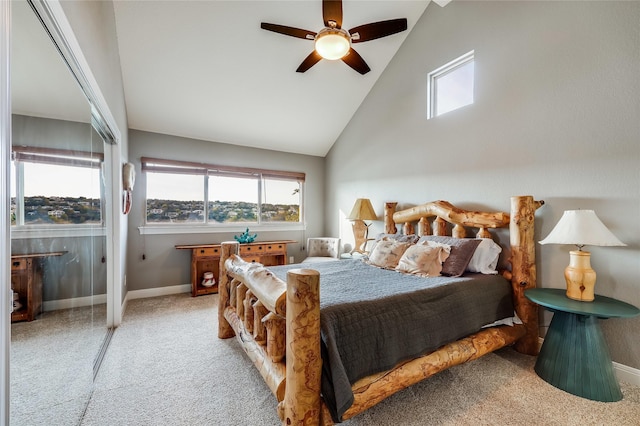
(57, 231)
(216, 229)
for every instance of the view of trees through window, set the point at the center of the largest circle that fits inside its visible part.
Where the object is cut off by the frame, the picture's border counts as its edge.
(180, 198)
(55, 194)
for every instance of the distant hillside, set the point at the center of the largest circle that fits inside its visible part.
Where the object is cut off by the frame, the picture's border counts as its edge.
(219, 211)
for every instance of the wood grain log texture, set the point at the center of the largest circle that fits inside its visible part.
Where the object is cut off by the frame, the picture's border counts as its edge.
(233, 292)
(268, 288)
(304, 363)
(259, 330)
(440, 226)
(275, 326)
(389, 210)
(372, 389)
(241, 293)
(424, 227)
(249, 300)
(273, 373)
(523, 268)
(228, 249)
(453, 214)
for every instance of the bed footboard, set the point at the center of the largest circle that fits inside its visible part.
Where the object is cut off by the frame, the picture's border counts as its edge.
(254, 306)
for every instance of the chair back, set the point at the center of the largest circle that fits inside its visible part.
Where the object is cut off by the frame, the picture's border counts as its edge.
(323, 247)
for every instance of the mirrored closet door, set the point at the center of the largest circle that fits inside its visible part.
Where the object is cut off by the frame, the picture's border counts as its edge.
(58, 233)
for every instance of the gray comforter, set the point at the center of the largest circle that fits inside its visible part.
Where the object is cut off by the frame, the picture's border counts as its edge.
(372, 319)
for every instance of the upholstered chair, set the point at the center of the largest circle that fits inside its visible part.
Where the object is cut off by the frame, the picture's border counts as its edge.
(322, 249)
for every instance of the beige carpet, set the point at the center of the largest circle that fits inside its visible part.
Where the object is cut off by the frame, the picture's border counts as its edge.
(51, 375)
(166, 366)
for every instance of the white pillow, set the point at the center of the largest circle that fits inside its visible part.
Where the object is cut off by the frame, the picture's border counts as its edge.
(387, 253)
(485, 258)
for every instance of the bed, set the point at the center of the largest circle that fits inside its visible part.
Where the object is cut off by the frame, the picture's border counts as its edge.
(317, 370)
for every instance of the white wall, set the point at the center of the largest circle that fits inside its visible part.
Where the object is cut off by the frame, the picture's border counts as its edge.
(556, 115)
(164, 265)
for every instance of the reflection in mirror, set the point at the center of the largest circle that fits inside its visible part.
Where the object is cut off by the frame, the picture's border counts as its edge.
(58, 273)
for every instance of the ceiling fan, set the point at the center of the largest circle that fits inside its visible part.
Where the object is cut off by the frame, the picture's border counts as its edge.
(334, 42)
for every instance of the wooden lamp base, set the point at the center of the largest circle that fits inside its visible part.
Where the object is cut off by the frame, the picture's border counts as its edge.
(360, 231)
(580, 278)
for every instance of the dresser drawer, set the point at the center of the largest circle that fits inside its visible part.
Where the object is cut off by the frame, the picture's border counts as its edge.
(18, 264)
(208, 252)
(251, 249)
(252, 259)
(276, 248)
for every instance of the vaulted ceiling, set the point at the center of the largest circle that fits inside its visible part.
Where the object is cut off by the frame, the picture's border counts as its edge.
(205, 70)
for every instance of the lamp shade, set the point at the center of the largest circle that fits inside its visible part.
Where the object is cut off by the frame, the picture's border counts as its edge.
(332, 43)
(362, 210)
(581, 228)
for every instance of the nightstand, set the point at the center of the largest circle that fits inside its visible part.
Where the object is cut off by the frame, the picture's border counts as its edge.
(574, 356)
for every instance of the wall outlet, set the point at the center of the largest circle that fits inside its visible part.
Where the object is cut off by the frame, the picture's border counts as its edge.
(291, 259)
(124, 284)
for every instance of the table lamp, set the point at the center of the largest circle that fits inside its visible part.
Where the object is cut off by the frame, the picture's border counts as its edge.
(362, 210)
(581, 228)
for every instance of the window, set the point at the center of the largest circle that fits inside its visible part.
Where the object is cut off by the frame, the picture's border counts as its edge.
(175, 198)
(233, 199)
(182, 192)
(451, 86)
(55, 187)
(280, 201)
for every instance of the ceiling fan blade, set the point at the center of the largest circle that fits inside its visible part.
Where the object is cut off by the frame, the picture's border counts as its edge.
(290, 31)
(355, 61)
(332, 11)
(376, 30)
(313, 58)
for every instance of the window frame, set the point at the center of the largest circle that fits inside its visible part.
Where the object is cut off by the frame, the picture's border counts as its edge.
(433, 76)
(157, 165)
(57, 157)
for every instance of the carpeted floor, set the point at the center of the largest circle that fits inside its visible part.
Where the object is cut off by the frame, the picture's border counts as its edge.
(165, 366)
(51, 375)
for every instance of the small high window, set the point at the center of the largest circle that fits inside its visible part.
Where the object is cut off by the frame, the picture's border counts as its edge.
(451, 86)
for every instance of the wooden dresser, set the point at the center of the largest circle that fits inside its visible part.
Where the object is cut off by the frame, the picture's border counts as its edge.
(26, 281)
(206, 258)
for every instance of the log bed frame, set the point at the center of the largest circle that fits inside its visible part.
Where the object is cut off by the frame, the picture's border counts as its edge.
(274, 320)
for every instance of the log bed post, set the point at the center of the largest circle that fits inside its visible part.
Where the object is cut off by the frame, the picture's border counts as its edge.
(304, 363)
(389, 209)
(523, 268)
(225, 330)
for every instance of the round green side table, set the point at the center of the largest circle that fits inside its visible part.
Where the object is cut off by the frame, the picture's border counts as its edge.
(574, 356)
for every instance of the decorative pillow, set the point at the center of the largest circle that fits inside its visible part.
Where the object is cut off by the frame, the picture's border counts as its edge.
(461, 252)
(395, 237)
(423, 260)
(485, 258)
(387, 253)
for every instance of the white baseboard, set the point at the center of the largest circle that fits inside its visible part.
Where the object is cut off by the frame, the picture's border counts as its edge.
(154, 292)
(159, 291)
(627, 374)
(76, 302)
(623, 372)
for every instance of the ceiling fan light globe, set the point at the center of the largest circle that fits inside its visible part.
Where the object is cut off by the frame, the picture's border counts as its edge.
(332, 44)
